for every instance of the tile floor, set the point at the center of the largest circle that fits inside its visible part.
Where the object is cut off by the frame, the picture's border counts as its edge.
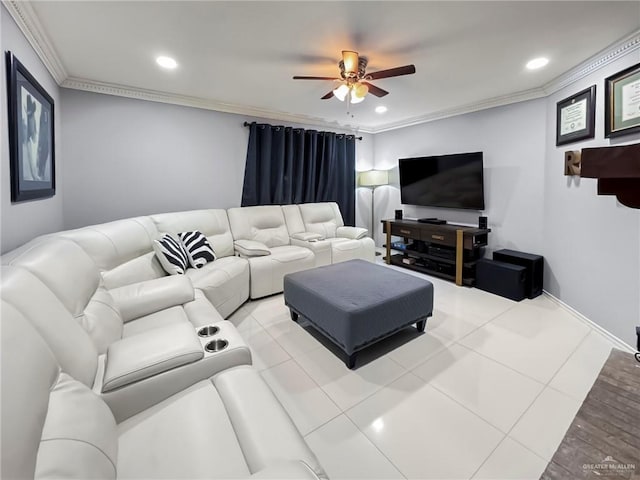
(487, 392)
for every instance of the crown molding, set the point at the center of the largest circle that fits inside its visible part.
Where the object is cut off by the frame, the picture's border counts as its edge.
(27, 20)
(25, 17)
(601, 59)
(469, 108)
(206, 104)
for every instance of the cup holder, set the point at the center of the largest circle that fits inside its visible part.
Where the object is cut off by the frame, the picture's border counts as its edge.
(208, 331)
(216, 345)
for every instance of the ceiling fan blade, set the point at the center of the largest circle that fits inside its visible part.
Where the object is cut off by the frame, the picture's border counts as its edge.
(392, 72)
(327, 96)
(298, 77)
(373, 90)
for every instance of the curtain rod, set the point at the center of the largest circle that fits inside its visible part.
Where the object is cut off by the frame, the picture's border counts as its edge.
(247, 124)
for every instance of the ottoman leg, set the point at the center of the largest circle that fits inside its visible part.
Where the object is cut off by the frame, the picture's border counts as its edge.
(420, 325)
(351, 361)
(294, 315)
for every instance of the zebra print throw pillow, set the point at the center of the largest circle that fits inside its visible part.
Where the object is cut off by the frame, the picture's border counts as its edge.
(198, 249)
(171, 255)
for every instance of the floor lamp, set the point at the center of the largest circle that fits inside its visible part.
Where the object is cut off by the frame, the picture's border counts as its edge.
(373, 179)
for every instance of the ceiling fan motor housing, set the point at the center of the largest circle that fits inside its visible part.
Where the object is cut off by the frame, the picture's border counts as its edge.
(362, 66)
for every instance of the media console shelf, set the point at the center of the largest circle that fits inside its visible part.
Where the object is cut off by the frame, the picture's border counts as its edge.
(445, 251)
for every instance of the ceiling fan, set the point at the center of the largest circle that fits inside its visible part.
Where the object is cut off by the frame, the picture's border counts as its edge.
(354, 81)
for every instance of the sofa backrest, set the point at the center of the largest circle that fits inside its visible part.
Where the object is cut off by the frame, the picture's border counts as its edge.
(293, 219)
(322, 218)
(70, 343)
(213, 223)
(52, 425)
(122, 250)
(263, 224)
(71, 275)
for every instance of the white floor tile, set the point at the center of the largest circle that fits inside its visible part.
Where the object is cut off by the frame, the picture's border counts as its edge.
(348, 387)
(576, 377)
(424, 433)
(411, 349)
(451, 326)
(543, 426)
(346, 453)
(265, 351)
(534, 338)
(293, 338)
(511, 461)
(494, 392)
(306, 403)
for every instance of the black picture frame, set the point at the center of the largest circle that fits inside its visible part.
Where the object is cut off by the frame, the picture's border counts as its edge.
(576, 117)
(622, 102)
(31, 134)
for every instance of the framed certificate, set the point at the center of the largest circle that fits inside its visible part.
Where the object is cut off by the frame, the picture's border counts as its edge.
(622, 102)
(576, 116)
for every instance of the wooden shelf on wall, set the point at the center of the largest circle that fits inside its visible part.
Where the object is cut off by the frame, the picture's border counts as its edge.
(617, 170)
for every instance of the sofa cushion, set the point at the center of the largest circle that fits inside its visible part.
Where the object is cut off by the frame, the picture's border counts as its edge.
(199, 252)
(224, 282)
(142, 325)
(171, 255)
(212, 222)
(39, 306)
(140, 299)
(322, 218)
(189, 435)
(263, 224)
(267, 273)
(52, 425)
(114, 243)
(79, 435)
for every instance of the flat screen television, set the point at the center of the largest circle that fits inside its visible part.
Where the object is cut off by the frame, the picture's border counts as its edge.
(451, 181)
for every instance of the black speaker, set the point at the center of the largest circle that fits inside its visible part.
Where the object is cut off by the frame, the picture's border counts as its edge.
(398, 214)
(504, 279)
(482, 222)
(533, 263)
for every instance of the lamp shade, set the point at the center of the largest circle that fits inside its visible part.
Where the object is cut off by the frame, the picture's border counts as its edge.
(374, 178)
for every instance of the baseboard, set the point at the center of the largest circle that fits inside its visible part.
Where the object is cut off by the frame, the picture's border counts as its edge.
(622, 345)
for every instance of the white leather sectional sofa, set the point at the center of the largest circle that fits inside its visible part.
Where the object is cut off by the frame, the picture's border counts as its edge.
(105, 372)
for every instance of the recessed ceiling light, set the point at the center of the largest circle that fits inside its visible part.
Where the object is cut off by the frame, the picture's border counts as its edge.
(166, 62)
(381, 109)
(537, 63)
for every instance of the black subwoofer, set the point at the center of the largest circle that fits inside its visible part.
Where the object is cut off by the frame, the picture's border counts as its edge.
(504, 279)
(533, 263)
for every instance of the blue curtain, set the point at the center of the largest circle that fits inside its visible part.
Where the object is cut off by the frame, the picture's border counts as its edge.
(288, 165)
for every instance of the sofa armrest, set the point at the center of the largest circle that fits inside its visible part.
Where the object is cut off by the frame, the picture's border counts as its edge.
(251, 248)
(354, 233)
(307, 236)
(158, 350)
(143, 298)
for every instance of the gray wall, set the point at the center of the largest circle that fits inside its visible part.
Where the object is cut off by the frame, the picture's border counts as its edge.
(155, 157)
(591, 243)
(22, 221)
(512, 139)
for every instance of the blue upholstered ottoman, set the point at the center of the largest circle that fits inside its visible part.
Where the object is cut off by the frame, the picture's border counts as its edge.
(357, 303)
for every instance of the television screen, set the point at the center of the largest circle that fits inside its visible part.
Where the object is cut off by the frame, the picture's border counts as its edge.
(452, 181)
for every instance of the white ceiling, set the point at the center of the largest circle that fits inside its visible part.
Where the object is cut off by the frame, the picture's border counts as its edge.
(244, 54)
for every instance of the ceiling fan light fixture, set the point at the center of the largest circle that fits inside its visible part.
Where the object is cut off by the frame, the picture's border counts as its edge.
(360, 90)
(341, 92)
(350, 60)
(355, 98)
